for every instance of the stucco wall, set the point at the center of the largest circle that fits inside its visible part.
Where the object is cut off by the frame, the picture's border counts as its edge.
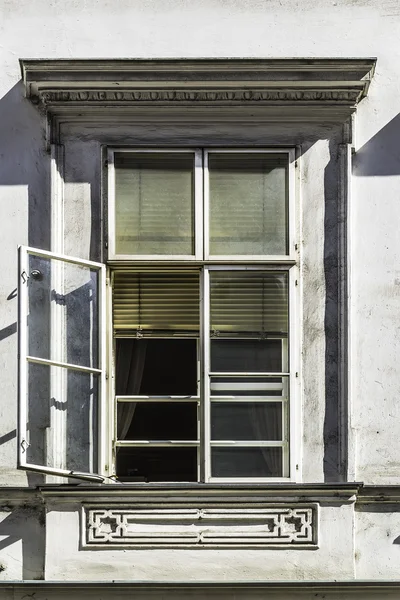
(253, 29)
(166, 28)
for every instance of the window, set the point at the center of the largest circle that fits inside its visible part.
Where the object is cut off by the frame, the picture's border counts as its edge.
(202, 345)
(202, 277)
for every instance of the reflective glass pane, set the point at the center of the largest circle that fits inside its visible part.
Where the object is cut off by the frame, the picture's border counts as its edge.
(62, 412)
(154, 203)
(156, 367)
(157, 421)
(246, 462)
(248, 203)
(249, 421)
(251, 356)
(63, 312)
(248, 303)
(157, 464)
(249, 386)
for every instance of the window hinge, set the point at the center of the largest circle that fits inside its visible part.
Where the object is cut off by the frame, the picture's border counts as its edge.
(296, 282)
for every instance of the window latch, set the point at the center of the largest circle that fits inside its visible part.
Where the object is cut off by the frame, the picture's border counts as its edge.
(24, 445)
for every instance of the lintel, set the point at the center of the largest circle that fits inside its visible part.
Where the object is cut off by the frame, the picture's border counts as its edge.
(284, 88)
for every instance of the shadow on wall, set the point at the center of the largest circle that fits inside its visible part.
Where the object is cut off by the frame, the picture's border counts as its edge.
(380, 156)
(28, 525)
(23, 162)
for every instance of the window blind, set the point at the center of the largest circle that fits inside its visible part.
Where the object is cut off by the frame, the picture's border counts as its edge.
(250, 302)
(248, 203)
(156, 302)
(154, 203)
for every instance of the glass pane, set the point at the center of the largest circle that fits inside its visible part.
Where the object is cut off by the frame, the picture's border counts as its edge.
(248, 303)
(248, 421)
(248, 204)
(252, 356)
(62, 418)
(246, 462)
(156, 303)
(157, 464)
(154, 203)
(157, 421)
(249, 386)
(156, 367)
(63, 312)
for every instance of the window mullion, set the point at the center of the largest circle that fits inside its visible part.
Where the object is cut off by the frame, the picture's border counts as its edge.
(198, 204)
(205, 370)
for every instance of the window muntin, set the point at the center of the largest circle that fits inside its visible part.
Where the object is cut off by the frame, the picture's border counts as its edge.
(191, 204)
(248, 372)
(61, 364)
(235, 312)
(158, 379)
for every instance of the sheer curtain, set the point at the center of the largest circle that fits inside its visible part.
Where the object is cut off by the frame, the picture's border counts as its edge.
(267, 426)
(131, 357)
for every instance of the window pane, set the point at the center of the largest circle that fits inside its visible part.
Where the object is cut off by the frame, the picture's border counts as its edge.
(157, 421)
(249, 386)
(248, 204)
(249, 421)
(62, 400)
(62, 312)
(249, 303)
(252, 356)
(154, 203)
(246, 462)
(157, 464)
(156, 367)
(156, 303)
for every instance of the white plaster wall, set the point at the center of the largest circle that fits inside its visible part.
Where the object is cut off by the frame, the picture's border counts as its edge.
(333, 560)
(255, 28)
(377, 546)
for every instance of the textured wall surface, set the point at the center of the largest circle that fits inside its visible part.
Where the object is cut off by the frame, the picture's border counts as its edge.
(223, 28)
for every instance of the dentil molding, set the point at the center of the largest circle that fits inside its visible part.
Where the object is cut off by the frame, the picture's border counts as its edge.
(69, 87)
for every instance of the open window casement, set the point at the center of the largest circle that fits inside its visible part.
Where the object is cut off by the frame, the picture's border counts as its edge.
(61, 364)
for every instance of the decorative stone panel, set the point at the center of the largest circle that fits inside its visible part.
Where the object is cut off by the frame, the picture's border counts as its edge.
(199, 527)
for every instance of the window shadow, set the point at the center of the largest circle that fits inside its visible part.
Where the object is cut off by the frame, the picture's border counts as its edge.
(380, 156)
(24, 162)
(27, 524)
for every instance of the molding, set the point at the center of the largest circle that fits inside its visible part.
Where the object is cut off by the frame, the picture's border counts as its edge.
(122, 526)
(223, 589)
(345, 97)
(204, 495)
(69, 87)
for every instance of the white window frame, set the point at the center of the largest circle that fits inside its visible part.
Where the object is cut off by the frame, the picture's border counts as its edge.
(25, 359)
(197, 205)
(248, 258)
(288, 263)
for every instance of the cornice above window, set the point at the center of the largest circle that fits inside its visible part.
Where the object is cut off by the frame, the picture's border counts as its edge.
(296, 89)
